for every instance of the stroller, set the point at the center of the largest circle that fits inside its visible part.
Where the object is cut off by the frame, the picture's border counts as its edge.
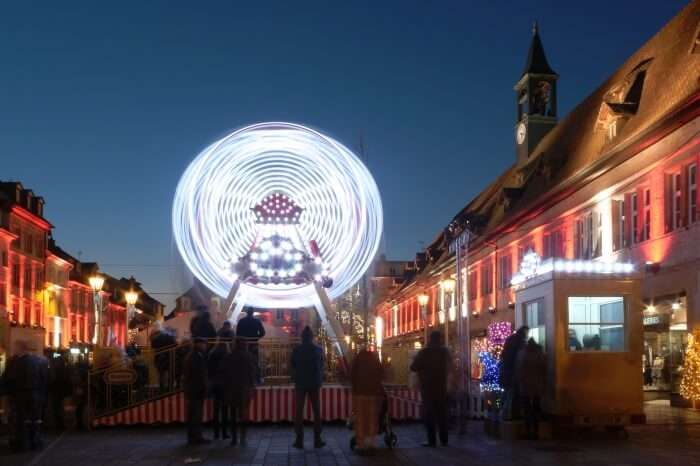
(390, 439)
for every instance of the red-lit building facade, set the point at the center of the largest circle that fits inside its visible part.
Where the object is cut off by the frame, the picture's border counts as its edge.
(45, 293)
(616, 180)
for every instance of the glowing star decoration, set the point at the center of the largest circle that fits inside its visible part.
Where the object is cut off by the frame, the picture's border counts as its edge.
(270, 191)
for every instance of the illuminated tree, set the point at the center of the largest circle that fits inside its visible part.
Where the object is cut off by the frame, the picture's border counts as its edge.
(690, 384)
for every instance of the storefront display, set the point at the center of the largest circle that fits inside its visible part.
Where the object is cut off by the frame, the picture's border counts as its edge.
(665, 341)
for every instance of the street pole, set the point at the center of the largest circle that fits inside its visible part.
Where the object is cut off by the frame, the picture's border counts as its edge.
(463, 329)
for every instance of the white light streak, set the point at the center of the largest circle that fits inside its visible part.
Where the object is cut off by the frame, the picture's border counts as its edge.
(212, 220)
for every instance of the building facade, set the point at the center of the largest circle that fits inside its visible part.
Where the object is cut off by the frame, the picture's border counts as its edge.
(615, 181)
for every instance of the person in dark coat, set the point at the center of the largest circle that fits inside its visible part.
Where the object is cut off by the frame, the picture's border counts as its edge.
(201, 326)
(367, 392)
(238, 380)
(250, 330)
(433, 364)
(509, 355)
(307, 374)
(226, 333)
(59, 389)
(195, 389)
(161, 341)
(26, 382)
(531, 376)
(217, 387)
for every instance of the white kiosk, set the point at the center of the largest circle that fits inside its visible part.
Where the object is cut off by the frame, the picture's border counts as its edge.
(587, 315)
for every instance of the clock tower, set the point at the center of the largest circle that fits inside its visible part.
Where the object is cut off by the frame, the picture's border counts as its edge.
(536, 96)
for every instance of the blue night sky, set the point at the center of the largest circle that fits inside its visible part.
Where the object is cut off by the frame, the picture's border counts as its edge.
(103, 104)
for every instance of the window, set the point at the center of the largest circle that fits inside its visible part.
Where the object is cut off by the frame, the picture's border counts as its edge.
(534, 318)
(646, 231)
(598, 230)
(486, 278)
(3, 256)
(3, 294)
(635, 218)
(692, 193)
(596, 323)
(619, 229)
(39, 280)
(553, 245)
(472, 284)
(583, 237)
(505, 271)
(15, 278)
(27, 280)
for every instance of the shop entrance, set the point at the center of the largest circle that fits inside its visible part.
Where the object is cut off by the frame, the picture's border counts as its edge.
(665, 340)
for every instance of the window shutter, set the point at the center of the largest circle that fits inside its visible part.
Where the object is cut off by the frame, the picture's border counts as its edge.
(628, 218)
(641, 203)
(668, 202)
(684, 196)
(616, 215)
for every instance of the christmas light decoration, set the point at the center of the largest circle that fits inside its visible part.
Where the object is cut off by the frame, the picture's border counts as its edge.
(532, 265)
(490, 355)
(690, 383)
(260, 196)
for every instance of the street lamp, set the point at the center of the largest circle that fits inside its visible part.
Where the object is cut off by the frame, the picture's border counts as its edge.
(96, 283)
(131, 297)
(423, 299)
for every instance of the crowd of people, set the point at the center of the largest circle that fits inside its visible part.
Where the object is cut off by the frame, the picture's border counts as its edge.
(36, 387)
(523, 371)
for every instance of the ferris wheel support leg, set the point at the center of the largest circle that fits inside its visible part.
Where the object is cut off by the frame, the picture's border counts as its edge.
(330, 323)
(233, 306)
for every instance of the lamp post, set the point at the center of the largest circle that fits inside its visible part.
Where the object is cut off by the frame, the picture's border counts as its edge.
(131, 297)
(423, 303)
(448, 288)
(96, 283)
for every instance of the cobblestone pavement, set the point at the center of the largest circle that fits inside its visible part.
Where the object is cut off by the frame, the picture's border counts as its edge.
(657, 445)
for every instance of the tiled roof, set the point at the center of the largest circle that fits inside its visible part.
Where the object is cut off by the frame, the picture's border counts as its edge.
(575, 149)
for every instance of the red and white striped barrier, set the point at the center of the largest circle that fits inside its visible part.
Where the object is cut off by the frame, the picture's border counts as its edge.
(269, 404)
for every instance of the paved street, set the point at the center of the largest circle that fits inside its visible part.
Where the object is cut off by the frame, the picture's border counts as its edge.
(661, 444)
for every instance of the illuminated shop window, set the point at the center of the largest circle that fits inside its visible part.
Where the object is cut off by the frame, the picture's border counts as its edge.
(596, 323)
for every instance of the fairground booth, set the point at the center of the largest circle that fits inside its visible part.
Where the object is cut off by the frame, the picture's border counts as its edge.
(587, 317)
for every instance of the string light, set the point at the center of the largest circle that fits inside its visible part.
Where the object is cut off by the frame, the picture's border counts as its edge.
(690, 383)
(213, 225)
(490, 355)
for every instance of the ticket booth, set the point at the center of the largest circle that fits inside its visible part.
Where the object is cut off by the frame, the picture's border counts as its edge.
(587, 317)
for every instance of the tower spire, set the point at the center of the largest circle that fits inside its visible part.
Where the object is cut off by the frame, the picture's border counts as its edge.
(536, 60)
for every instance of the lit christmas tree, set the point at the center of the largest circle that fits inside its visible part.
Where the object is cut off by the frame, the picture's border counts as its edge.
(690, 384)
(490, 355)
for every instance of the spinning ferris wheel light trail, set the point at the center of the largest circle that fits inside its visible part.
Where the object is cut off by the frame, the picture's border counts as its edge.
(277, 215)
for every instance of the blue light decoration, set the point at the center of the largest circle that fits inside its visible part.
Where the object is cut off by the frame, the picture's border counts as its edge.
(490, 355)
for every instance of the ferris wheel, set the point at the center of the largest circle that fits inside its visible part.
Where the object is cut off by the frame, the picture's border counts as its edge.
(278, 215)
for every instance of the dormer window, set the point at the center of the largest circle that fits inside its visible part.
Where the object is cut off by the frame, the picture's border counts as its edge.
(695, 47)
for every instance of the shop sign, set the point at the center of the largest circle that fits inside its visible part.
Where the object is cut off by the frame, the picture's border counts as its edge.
(120, 377)
(656, 319)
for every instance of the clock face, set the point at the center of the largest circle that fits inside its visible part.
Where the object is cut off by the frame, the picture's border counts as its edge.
(520, 133)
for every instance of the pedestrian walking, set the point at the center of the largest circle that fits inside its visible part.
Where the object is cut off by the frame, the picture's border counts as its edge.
(531, 376)
(195, 389)
(238, 370)
(367, 391)
(506, 376)
(307, 375)
(217, 387)
(433, 364)
(251, 330)
(26, 383)
(161, 342)
(79, 382)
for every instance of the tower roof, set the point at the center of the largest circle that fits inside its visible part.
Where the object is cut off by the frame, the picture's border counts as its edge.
(536, 60)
